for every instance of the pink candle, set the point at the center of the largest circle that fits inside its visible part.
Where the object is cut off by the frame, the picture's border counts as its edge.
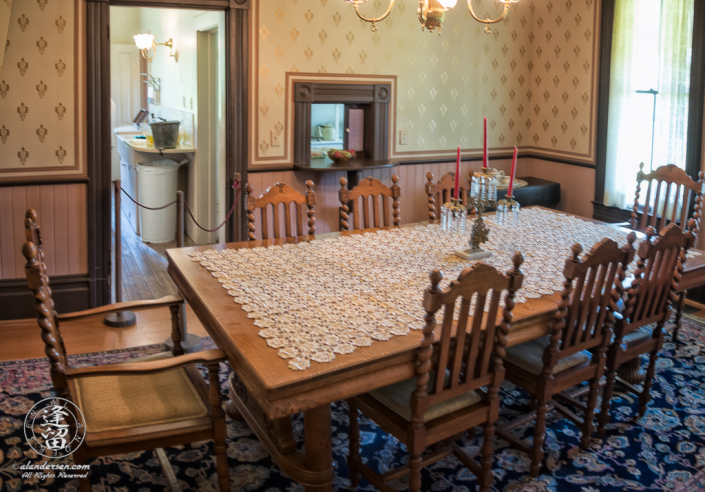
(457, 174)
(514, 170)
(485, 156)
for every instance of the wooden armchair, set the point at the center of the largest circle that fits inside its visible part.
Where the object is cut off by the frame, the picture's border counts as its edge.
(688, 194)
(441, 192)
(658, 271)
(141, 405)
(447, 396)
(369, 189)
(275, 195)
(574, 352)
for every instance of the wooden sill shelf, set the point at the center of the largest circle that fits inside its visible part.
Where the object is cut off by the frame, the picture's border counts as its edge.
(327, 165)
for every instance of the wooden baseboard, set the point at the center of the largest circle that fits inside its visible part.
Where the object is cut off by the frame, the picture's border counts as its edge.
(70, 293)
(611, 215)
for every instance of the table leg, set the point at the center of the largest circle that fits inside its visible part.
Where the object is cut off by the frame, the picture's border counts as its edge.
(317, 438)
(314, 469)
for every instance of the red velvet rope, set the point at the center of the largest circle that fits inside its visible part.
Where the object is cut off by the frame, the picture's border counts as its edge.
(236, 186)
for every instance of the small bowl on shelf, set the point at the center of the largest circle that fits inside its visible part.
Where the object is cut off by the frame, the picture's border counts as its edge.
(340, 156)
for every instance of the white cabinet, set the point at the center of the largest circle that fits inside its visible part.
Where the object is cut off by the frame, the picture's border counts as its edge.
(133, 152)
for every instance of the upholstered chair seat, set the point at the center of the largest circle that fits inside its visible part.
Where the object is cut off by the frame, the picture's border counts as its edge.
(529, 356)
(397, 397)
(111, 403)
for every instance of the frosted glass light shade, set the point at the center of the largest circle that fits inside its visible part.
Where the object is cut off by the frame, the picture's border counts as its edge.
(448, 4)
(144, 41)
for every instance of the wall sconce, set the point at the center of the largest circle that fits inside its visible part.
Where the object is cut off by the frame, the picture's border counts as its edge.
(145, 42)
(432, 13)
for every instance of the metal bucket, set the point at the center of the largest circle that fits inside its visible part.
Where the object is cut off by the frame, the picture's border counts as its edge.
(165, 133)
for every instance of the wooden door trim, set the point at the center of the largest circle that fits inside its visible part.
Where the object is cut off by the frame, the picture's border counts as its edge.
(98, 122)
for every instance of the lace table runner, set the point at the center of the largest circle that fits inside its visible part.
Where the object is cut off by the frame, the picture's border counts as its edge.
(316, 299)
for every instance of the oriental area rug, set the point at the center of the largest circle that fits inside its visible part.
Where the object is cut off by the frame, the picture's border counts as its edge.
(663, 451)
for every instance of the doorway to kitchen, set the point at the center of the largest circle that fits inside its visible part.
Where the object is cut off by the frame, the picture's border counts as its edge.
(167, 86)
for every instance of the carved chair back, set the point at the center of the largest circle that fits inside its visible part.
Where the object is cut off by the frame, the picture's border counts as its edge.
(658, 272)
(591, 291)
(369, 190)
(441, 192)
(276, 195)
(38, 283)
(668, 179)
(471, 355)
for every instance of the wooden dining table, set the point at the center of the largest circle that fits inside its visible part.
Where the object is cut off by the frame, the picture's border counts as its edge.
(265, 392)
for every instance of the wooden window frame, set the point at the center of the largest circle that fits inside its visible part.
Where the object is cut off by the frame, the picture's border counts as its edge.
(696, 108)
(374, 98)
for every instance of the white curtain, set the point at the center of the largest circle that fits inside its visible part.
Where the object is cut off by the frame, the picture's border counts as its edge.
(651, 49)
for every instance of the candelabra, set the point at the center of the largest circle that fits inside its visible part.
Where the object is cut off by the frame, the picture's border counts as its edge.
(483, 194)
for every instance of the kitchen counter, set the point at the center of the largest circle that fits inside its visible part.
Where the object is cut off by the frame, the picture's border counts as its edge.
(140, 145)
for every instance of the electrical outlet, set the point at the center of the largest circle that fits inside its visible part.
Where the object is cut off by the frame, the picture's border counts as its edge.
(403, 134)
(275, 139)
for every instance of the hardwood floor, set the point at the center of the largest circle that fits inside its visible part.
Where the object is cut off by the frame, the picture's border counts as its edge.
(144, 265)
(21, 339)
(144, 277)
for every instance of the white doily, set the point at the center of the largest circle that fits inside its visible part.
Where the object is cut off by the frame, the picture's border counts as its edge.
(316, 299)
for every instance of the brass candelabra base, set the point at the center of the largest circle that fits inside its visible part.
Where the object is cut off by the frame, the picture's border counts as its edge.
(480, 232)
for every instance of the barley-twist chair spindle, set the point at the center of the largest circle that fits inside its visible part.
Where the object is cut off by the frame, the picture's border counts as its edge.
(369, 190)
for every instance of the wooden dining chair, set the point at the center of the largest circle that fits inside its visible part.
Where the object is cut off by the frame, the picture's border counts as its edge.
(687, 193)
(574, 351)
(639, 329)
(369, 190)
(160, 401)
(277, 194)
(441, 192)
(457, 382)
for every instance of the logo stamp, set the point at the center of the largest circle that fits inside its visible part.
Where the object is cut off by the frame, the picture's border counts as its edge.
(55, 427)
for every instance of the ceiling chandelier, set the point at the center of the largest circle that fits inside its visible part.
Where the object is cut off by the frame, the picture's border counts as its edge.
(432, 13)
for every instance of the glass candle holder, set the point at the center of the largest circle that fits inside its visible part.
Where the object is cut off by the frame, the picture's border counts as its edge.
(508, 212)
(453, 217)
(483, 188)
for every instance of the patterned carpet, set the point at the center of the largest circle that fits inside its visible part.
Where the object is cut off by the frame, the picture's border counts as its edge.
(663, 451)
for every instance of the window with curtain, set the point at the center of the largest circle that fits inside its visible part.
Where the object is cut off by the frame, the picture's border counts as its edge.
(649, 92)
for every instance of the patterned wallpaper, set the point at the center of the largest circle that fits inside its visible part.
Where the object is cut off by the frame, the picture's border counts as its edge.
(39, 131)
(534, 76)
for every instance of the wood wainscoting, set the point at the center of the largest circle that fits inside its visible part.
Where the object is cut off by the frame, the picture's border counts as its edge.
(63, 219)
(577, 186)
(62, 216)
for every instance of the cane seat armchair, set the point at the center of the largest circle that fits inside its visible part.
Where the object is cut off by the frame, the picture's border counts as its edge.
(146, 404)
